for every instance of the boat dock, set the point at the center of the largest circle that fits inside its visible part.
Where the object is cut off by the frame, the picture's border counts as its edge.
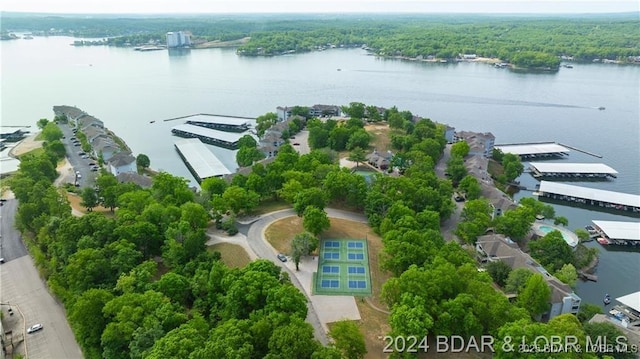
(535, 150)
(201, 162)
(616, 232)
(207, 135)
(587, 276)
(571, 170)
(590, 196)
(222, 123)
(583, 151)
(207, 114)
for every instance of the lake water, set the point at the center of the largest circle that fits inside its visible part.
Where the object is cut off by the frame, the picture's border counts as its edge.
(128, 89)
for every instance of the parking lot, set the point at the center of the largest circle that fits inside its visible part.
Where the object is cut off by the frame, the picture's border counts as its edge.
(83, 173)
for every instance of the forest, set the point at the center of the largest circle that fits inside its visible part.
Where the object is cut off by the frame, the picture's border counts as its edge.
(524, 41)
(139, 282)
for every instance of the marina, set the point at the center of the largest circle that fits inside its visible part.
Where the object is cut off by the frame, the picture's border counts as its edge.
(535, 150)
(218, 122)
(201, 162)
(611, 200)
(572, 170)
(617, 232)
(207, 135)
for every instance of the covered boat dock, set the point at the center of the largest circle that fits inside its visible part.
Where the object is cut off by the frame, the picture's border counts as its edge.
(590, 196)
(572, 170)
(199, 160)
(222, 123)
(624, 233)
(535, 150)
(207, 135)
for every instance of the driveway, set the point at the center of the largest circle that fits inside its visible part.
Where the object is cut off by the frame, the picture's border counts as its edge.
(87, 177)
(302, 140)
(25, 292)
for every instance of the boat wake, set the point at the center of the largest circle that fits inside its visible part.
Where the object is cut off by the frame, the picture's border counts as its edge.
(435, 97)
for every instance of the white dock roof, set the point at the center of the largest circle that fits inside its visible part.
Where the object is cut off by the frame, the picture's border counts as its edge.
(201, 160)
(624, 199)
(560, 167)
(230, 137)
(222, 120)
(532, 148)
(629, 231)
(631, 300)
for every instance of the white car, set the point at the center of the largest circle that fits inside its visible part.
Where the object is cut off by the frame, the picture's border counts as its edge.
(34, 328)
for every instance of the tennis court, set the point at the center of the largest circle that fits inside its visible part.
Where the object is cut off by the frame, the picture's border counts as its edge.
(343, 268)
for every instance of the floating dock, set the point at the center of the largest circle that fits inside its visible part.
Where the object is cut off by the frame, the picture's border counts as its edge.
(590, 196)
(207, 135)
(572, 170)
(222, 123)
(535, 150)
(616, 232)
(199, 159)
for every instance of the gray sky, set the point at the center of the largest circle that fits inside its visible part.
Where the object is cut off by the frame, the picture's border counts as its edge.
(324, 6)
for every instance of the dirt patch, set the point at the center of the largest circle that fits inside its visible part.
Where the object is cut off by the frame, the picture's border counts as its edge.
(280, 233)
(75, 200)
(233, 255)
(28, 144)
(380, 137)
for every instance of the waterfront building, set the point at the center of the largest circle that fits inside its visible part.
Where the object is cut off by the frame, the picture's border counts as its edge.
(178, 39)
(221, 123)
(589, 196)
(571, 170)
(479, 143)
(132, 177)
(105, 147)
(201, 162)
(496, 247)
(122, 162)
(617, 232)
(213, 137)
(85, 121)
(535, 150)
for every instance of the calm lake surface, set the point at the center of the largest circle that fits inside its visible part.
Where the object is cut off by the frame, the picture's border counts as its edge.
(128, 89)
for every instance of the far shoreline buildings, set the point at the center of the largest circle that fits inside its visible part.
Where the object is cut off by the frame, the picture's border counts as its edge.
(178, 39)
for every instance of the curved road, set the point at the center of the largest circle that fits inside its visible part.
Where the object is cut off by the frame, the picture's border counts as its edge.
(258, 243)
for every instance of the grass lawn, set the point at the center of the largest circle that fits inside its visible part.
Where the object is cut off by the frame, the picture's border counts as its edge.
(75, 200)
(270, 206)
(380, 137)
(233, 255)
(36, 152)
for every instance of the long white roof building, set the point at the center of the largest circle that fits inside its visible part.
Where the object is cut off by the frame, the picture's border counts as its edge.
(561, 167)
(628, 231)
(199, 159)
(532, 149)
(598, 195)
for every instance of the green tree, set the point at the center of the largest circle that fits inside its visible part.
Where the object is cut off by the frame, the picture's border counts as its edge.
(309, 197)
(51, 132)
(355, 110)
(456, 169)
(357, 155)
(499, 271)
(535, 296)
(143, 161)
(42, 123)
(360, 138)
(517, 279)
(587, 311)
(567, 274)
(552, 251)
(293, 341)
(87, 320)
(214, 185)
(348, 339)
(515, 223)
(470, 186)
(239, 200)
(247, 141)
(246, 156)
(315, 220)
(460, 149)
(302, 245)
(89, 198)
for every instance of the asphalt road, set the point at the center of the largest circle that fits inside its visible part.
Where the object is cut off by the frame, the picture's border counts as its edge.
(22, 288)
(78, 163)
(11, 247)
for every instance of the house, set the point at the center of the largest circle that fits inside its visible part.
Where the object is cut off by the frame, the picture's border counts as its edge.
(496, 247)
(479, 143)
(89, 121)
(325, 111)
(94, 133)
(381, 160)
(283, 113)
(132, 177)
(106, 147)
(72, 113)
(122, 162)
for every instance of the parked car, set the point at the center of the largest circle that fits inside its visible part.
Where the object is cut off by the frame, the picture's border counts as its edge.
(34, 328)
(80, 153)
(282, 257)
(296, 144)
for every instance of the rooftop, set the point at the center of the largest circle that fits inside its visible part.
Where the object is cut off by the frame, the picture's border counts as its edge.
(624, 199)
(230, 137)
(221, 120)
(561, 167)
(532, 148)
(629, 231)
(631, 300)
(201, 160)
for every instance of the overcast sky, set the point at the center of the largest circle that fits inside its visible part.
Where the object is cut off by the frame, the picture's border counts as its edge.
(315, 6)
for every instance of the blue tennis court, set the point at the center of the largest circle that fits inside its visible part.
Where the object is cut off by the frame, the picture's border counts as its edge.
(343, 268)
